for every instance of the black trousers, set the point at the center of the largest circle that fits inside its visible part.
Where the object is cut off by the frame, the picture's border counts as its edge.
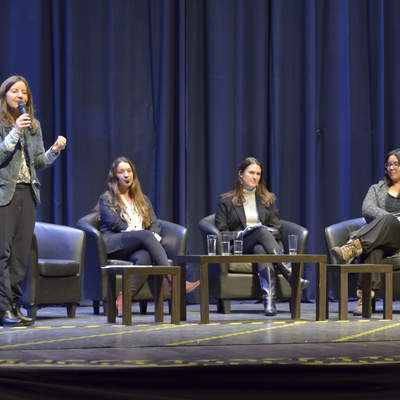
(141, 248)
(379, 239)
(261, 241)
(17, 222)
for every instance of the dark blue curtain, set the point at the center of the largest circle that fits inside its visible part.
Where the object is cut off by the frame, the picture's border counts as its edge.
(189, 88)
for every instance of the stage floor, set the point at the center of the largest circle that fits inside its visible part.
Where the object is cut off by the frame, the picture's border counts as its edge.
(243, 337)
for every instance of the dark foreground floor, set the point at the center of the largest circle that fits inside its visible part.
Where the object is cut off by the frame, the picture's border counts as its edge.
(239, 355)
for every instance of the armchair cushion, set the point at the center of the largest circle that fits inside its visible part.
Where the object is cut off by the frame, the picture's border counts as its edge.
(60, 267)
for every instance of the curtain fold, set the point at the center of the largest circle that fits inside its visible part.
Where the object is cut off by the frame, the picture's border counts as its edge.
(187, 89)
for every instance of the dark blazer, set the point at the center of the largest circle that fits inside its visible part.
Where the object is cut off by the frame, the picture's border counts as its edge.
(233, 218)
(112, 225)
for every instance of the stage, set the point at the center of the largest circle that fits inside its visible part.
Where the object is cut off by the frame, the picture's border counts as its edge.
(237, 353)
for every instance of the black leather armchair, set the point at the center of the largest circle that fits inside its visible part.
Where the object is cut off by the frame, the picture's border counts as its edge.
(54, 275)
(338, 234)
(229, 281)
(94, 278)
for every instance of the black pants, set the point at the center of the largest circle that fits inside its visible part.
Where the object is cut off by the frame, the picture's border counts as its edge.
(379, 239)
(141, 248)
(17, 222)
(261, 241)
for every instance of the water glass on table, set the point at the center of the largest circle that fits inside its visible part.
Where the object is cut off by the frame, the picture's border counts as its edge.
(211, 244)
(237, 244)
(292, 244)
(226, 243)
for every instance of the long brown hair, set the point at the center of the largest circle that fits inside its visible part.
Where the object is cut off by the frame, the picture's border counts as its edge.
(135, 191)
(6, 119)
(267, 198)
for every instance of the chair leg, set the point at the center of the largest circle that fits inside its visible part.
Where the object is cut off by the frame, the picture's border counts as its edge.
(143, 307)
(96, 307)
(105, 307)
(223, 306)
(32, 311)
(71, 310)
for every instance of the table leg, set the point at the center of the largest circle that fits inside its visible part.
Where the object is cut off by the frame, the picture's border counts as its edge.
(175, 298)
(183, 292)
(343, 294)
(159, 299)
(204, 300)
(388, 299)
(111, 297)
(366, 294)
(296, 290)
(126, 298)
(322, 302)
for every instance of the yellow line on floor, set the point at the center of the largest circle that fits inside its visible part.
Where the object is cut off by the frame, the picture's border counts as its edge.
(236, 334)
(369, 332)
(70, 339)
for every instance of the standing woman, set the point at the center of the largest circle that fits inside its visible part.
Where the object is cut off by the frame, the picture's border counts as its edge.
(380, 237)
(21, 153)
(129, 226)
(250, 205)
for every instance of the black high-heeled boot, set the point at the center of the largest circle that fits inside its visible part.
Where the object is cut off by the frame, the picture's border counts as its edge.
(268, 284)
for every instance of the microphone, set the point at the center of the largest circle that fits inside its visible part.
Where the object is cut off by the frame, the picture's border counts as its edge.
(22, 110)
(22, 107)
(123, 180)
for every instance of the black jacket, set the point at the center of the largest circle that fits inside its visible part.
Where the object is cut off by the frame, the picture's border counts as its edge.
(112, 225)
(233, 218)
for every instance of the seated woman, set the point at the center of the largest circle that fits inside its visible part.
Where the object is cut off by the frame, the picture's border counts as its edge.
(250, 204)
(129, 226)
(380, 237)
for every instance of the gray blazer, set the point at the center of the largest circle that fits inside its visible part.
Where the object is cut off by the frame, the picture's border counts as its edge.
(374, 202)
(11, 158)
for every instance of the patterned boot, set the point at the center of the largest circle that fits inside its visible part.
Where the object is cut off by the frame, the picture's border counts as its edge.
(358, 309)
(350, 250)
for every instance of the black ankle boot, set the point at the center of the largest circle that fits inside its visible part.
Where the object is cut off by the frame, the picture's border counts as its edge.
(269, 305)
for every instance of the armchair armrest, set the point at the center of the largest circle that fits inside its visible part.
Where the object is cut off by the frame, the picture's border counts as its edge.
(59, 242)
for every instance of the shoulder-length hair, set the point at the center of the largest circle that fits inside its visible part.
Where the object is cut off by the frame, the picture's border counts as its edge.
(6, 119)
(396, 153)
(267, 198)
(135, 191)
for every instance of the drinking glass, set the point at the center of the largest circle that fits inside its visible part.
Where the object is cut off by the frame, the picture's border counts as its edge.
(211, 245)
(292, 244)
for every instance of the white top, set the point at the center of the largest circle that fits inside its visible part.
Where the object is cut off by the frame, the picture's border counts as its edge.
(250, 207)
(133, 219)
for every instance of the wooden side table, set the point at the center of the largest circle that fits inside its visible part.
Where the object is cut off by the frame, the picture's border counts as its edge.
(127, 271)
(295, 259)
(365, 270)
